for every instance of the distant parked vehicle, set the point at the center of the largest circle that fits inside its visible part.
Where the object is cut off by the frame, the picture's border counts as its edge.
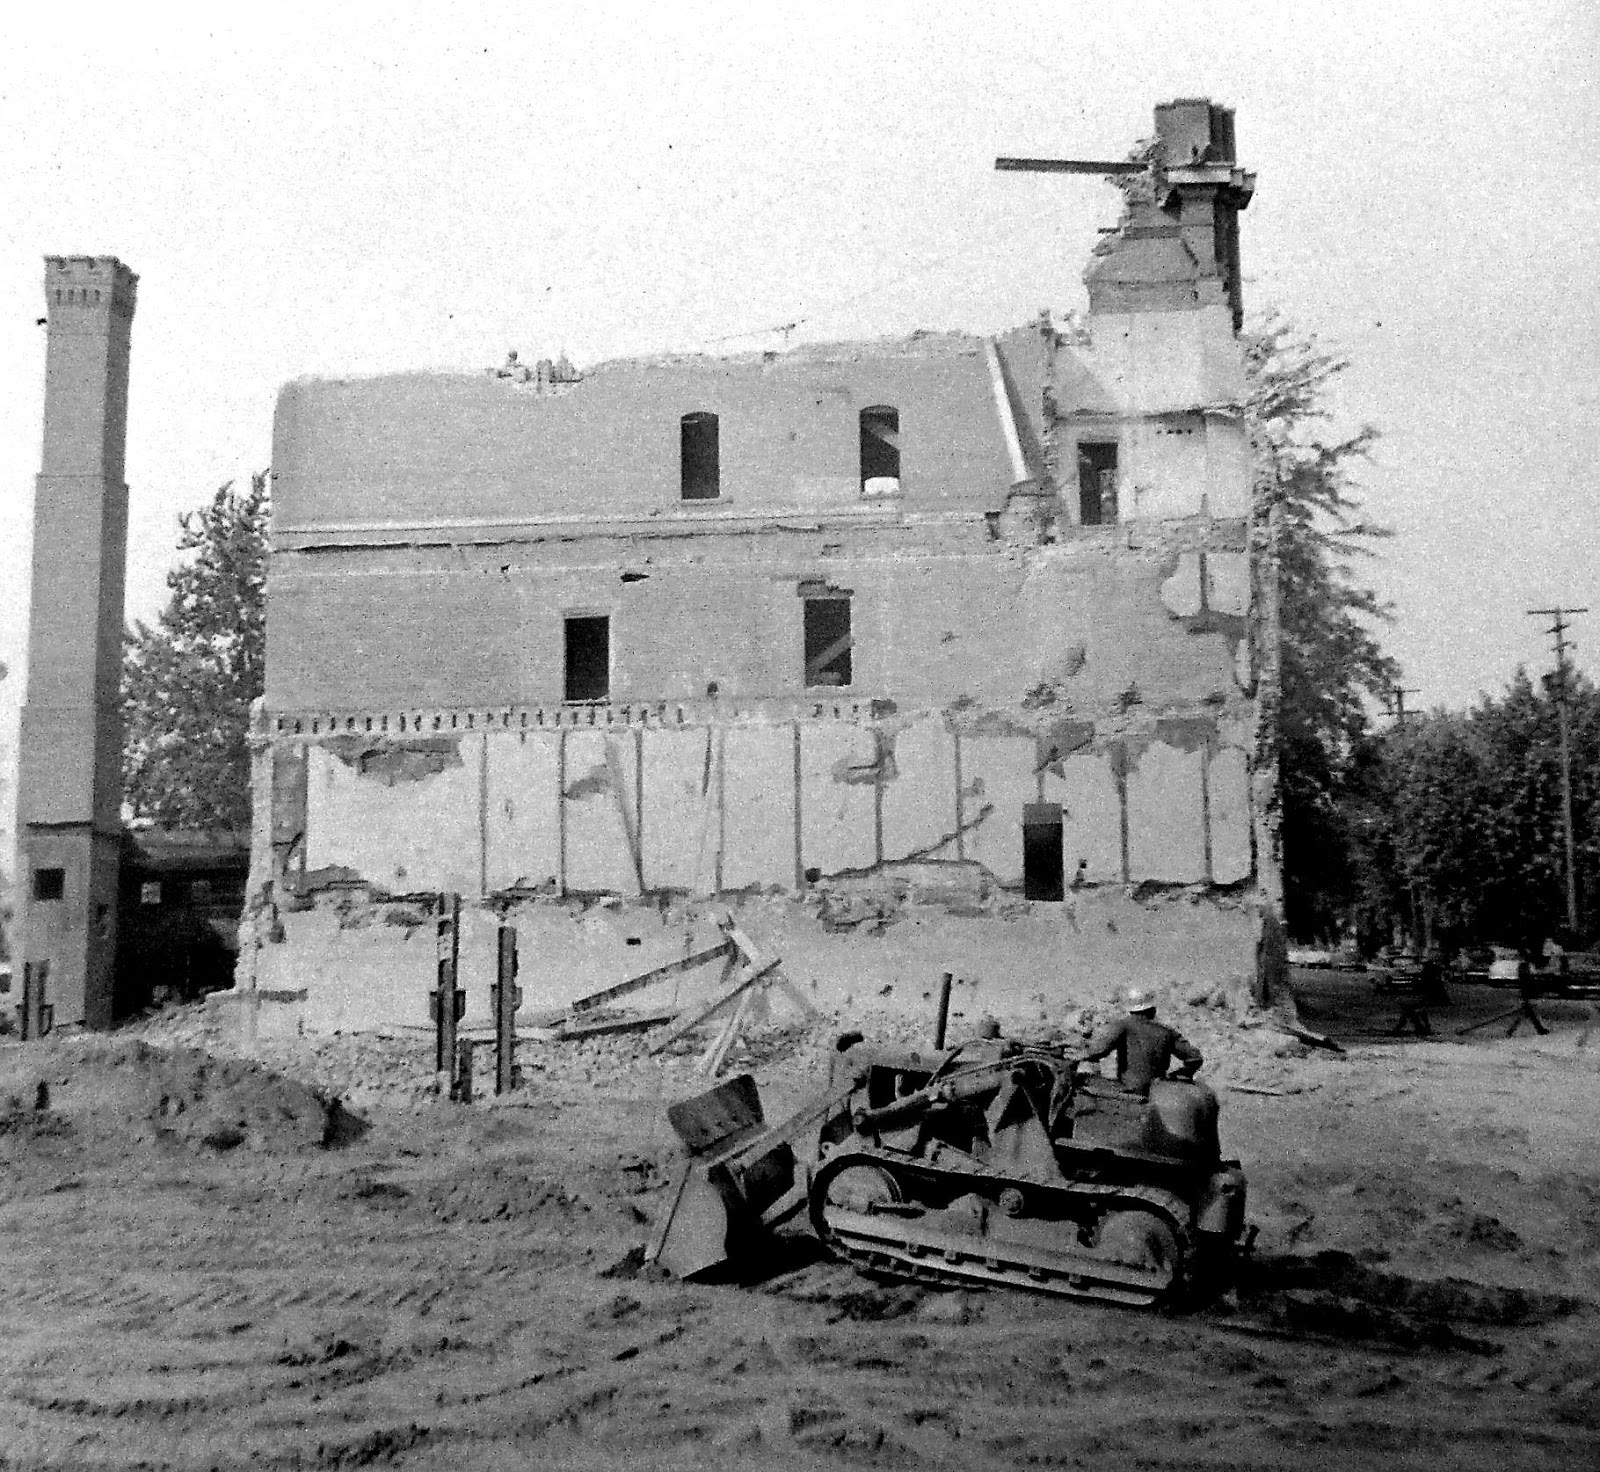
(1503, 967)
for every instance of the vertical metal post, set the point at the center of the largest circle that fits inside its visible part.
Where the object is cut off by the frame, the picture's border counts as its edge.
(944, 1013)
(34, 1015)
(507, 997)
(448, 1001)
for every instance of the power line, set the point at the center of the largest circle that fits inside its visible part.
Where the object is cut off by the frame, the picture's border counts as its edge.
(834, 304)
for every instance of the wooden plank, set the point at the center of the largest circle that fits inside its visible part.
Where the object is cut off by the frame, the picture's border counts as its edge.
(713, 1060)
(752, 956)
(816, 665)
(706, 1013)
(1069, 166)
(648, 978)
(746, 947)
(639, 1022)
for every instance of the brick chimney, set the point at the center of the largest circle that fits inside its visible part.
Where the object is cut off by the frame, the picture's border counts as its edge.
(1177, 246)
(69, 785)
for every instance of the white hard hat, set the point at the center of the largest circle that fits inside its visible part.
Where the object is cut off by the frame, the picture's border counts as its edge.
(1140, 1000)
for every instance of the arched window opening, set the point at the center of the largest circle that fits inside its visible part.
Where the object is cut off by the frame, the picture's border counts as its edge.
(880, 451)
(701, 466)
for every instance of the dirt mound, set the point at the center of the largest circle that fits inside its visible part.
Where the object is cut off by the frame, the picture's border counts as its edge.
(115, 1093)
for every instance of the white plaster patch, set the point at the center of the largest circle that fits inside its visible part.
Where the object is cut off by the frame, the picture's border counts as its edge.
(919, 805)
(408, 837)
(837, 822)
(1229, 783)
(1166, 839)
(1228, 582)
(1180, 593)
(1228, 470)
(997, 773)
(759, 826)
(1243, 667)
(1092, 818)
(680, 810)
(367, 977)
(1156, 362)
(601, 812)
(524, 833)
(1168, 465)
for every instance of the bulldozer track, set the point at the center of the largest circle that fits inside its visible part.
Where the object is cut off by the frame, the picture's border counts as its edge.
(889, 1242)
(946, 1259)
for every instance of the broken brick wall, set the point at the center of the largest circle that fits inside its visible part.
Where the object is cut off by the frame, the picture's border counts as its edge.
(432, 536)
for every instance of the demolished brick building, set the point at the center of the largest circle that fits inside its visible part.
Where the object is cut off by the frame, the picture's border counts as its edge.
(955, 616)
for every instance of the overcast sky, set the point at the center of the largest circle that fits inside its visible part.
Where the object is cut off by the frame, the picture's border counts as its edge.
(358, 189)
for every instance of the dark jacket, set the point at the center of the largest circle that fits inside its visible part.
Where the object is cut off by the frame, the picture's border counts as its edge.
(1145, 1049)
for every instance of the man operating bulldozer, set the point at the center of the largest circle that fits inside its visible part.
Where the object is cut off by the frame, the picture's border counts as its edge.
(1144, 1047)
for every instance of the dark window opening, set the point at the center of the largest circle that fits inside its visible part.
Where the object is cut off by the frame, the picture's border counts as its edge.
(880, 451)
(1097, 484)
(1041, 851)
(828, 641)
(49, 884)
(702, 476)
(588, 663)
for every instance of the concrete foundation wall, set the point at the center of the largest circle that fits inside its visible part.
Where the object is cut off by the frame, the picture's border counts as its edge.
(374, 966)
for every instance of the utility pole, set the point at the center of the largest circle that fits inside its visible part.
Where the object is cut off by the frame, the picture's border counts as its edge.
(1399, 693)
(1421, 915)
(1558, 631)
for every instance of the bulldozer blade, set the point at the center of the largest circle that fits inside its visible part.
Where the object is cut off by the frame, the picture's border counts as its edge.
(742, 1176)
(693, 1236)
(720, 1117)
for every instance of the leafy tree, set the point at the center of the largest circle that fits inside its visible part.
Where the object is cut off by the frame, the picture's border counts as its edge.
(1332, 663)
(1465, 820)
(188, 682)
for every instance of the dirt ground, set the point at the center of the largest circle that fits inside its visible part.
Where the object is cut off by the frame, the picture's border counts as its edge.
(208, 1264)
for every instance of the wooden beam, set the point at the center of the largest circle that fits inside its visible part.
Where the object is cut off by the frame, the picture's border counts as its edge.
(648, 978)
(814, 667)
(639, 1022)
(710, 1010)
(1068, 166)
(752, 957)
(711, 1064)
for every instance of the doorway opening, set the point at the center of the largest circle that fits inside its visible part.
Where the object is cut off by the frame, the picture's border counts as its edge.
(1041, 851)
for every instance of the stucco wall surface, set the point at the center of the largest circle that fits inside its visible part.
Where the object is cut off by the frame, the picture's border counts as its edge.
(695, 810)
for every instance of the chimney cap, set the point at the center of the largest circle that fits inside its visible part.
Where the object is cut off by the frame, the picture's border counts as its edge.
(85, 274)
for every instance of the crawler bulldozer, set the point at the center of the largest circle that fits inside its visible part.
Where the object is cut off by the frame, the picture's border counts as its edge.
(996, 1163)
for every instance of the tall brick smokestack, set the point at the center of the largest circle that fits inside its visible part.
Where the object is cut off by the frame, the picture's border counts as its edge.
(69, 785)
